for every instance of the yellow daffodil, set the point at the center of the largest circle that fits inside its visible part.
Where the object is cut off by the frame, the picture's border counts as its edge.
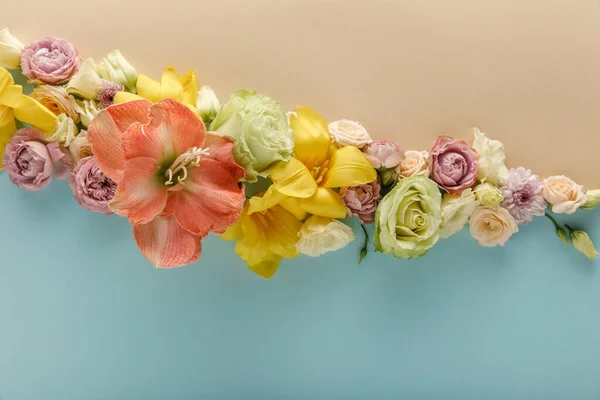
(182, 88)
(264, 238)
(14, 104)
(304, 184)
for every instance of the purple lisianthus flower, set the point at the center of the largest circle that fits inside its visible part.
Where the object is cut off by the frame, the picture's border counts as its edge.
(106, 95)
(31, 161)
(523, 196)
(383, 154)
(50, 60)
(91, 187)
(453, 164)
(361, 201)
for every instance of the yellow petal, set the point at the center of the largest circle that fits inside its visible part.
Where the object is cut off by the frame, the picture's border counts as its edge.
(348, 167)
(148, 88)
(124, 97)
(325, 202)
(267, 267)
(189, 81)
(291, 178)
(6, 79)
(7, 128)
(269, 199)
(170, 85)
(281, 231)
(311, 137)
(35, 114)
(292, 205)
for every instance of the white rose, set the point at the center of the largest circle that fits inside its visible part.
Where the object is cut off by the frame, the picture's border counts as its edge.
(65, 132)
(349, 133)
(207, 104)
(10, 50)
(87, 110)
(491, 159)
(413, 163)
(86, 82)
(115, 68)
(564, 195)
(456, 210)
(488, 194)
(319, 235)
(492, 226)
(593, 199)
(80, 146)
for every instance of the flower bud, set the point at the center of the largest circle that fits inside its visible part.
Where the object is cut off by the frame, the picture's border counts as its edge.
(388, 177)
(593, 199)
(10, 50)
(562, 235)
(207, 104)
(115, 68)
(583, 243)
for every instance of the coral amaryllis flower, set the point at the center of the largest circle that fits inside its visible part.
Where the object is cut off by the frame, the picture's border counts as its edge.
(175, 182)
(303, 185)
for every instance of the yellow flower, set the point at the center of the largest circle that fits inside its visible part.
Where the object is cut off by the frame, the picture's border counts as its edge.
(304, 184)
(264, 238)
(14, 104)
(182, 88)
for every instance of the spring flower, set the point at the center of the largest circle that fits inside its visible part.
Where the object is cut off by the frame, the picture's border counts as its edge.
(183, 89)
(265, 238)
(523, 195)
(361, 201)
(57, 100)
(10, 50)
(208, 104)
(50, 60)
(106, 95)
(175, 183)
(304, 184)
(31, 161)
(583, 243)
(491, 163)
(413, 163)
(456, 211)
(87, 110)
(349, 133)
(320, 235)
(388, 177)
(14, 104)
(259, 129)
(115, 68)
(65, 132)
(409, 218)
(492, 226)
(383, 154)
(92, 189)
(87, 83)
(489, 195)
(563, 194)
(593, 199)
(453, 164)
(80, 147)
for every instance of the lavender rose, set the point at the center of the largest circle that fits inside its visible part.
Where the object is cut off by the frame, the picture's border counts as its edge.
(50, 60)
(91, 188)
(31, 161)
(361, 201)
(453, 164)
(383, 154)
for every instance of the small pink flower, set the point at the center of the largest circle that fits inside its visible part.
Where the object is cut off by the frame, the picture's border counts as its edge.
(91, 187)
(50, 60)
(31, 161)
(453, 164)
(383, 154)
(361, 201)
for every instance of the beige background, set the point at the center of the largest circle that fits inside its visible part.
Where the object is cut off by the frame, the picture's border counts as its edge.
(526, 72)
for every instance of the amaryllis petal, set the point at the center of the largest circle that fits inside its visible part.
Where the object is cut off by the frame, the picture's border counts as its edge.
(136, 143)
(220, 148)
(128, 113)
(165, 244)
(140, 195)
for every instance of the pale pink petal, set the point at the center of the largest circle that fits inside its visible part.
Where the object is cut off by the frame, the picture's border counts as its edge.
(211, 201)
(165, 244)
(175, 127)
(140, 195)
(137, 144)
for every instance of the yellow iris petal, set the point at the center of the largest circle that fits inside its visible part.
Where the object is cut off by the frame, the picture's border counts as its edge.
(270, 198)
(267, 267)
(293, 206)
(190, 87)
(325, 202)
(281, 230)
(292, 178)
(124, 97)
(7, 128)
(148, 88)
(35, 114)
(348, 167)
(311, 137)
(170, 85)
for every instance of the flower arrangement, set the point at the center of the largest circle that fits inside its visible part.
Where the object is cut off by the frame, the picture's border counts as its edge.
(178, 164)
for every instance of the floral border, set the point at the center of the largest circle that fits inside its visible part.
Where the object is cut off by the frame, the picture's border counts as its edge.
(179, 165)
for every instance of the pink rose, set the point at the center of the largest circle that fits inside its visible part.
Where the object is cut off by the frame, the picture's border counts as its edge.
(91, 188)
(50, 60)
(361, 201)
(31, 161)
(383, 154)
(453, 164)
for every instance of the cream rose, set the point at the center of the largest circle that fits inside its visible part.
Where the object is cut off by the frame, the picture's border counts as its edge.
(349, 133)
(563, 194)
(65, 132)
(492, 226)
(319, 235)
(413, 163)
(489, 195)
(491, 159)
(80, 147)
(456, 210)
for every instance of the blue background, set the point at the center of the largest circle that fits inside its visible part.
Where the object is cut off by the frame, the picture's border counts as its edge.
(84, 316)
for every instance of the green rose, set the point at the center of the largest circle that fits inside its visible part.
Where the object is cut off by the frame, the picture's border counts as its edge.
(259, 129)
(409, 218)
